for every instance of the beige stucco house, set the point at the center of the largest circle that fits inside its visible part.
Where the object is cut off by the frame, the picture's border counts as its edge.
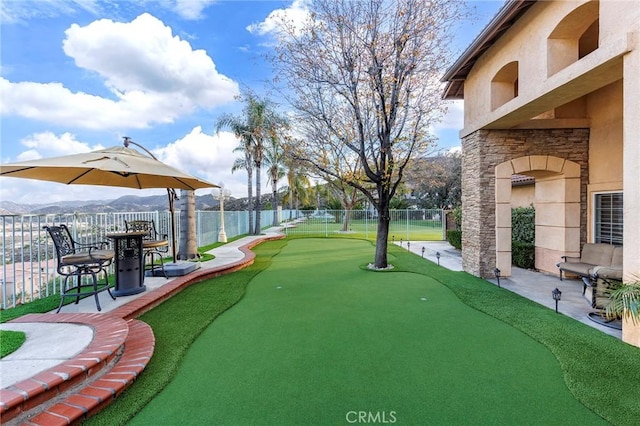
(551, 90)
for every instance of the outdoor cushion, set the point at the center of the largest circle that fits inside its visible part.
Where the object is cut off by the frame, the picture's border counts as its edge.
(148, 244)
(578, 268)
(606, 272)
(80, 258)
(616, 260)
(597, 254)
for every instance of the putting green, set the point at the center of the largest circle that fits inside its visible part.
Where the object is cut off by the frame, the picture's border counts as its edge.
(318, 340)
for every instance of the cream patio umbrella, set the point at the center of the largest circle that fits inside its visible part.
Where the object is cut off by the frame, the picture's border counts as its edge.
(116, 166)
(119, 166)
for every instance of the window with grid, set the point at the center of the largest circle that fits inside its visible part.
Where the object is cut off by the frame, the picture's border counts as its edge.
(608, 218)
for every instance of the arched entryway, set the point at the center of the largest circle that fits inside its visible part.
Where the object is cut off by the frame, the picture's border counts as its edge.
(557, 202)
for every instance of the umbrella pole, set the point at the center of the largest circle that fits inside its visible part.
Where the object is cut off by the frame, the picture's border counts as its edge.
(172, 197)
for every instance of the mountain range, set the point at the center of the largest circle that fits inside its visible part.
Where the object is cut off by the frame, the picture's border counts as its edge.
(127, 203)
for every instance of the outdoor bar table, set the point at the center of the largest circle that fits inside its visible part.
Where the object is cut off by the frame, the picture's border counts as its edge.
(129, 265)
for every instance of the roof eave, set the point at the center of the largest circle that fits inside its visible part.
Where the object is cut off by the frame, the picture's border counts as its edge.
(504, 19)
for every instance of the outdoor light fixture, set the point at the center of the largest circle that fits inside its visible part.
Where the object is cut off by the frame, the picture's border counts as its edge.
(408, 245)
(438, 257)
(496, 272)
(557, 295)
(224, 193)
(423, 252)
(393, 239)
(400, 242)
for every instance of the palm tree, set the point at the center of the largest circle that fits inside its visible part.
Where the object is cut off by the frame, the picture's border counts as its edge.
(298, 185)
(239, 128)
(263, 124)
(274, 158)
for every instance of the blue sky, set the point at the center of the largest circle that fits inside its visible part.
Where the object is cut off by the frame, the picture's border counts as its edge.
(77, 75)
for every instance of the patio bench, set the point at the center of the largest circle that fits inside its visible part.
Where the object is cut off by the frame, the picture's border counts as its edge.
(593, 257)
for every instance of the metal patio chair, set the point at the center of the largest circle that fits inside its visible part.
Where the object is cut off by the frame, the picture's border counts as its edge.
(77, 260)
(154, 244)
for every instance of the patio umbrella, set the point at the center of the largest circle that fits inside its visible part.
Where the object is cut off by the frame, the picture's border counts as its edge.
(116, 166)
(119, 166)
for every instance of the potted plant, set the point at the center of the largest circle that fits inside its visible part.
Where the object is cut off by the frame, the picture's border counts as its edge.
(625, 301)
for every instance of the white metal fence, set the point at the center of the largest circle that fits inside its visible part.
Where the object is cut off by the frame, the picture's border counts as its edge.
(403, 225)
(28, 267)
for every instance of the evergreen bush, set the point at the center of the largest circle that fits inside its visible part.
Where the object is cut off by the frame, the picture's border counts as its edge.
(523, 224)
(523, 237)
(455, 238)
(523, 255)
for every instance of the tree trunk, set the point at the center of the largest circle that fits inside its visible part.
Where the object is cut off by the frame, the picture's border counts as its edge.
(250, 198)
(275, 204)
(258, 209)
(383, 232)
(188, 238)
(345, 222)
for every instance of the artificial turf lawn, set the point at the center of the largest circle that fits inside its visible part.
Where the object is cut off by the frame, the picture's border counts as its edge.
(10, 341)
(317, 337)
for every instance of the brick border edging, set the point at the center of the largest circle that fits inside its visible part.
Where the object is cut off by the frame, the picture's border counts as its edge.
(138, 349)
(107, 344)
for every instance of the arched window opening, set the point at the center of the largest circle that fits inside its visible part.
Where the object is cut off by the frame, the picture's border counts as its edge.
(504, 85)
(575, 36)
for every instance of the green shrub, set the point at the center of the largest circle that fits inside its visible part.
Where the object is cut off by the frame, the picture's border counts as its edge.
(455, 238)
(523, 225)
(523, 255)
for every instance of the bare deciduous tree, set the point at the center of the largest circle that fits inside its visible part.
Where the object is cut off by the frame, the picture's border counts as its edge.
(367, 74)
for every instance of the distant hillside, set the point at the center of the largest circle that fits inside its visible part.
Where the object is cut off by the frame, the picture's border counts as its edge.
(127, 203)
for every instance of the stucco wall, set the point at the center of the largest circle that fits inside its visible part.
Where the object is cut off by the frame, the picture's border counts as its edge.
(523, 195)
(526, 44)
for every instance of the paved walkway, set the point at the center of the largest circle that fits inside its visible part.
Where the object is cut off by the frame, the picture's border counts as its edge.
(535, 286)
(41, 350)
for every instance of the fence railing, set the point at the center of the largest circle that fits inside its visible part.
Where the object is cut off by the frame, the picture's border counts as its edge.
(28, 267)
(403, 225)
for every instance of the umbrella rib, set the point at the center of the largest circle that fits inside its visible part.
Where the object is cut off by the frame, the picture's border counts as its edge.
(16, 171)
(185, 183)
(78, 177)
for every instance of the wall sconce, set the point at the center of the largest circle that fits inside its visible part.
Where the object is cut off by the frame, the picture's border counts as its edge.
(496, 272)
(423, 252)
(438, 257)
(557, 295)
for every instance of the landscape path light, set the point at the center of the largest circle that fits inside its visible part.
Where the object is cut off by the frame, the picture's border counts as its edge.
(438, 257)
(496, 272)
(423, 252)
(557, 295)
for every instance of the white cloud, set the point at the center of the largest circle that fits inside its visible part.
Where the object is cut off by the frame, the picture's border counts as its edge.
(52, 145)
(191, 9)
(294, 15)
(209, 157)
(154, 77)
(18, 11)
(454, 118)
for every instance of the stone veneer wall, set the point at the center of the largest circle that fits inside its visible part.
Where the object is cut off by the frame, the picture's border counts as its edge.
(482, 151)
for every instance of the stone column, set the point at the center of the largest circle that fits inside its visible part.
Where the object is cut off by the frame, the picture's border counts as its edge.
(482, 151)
